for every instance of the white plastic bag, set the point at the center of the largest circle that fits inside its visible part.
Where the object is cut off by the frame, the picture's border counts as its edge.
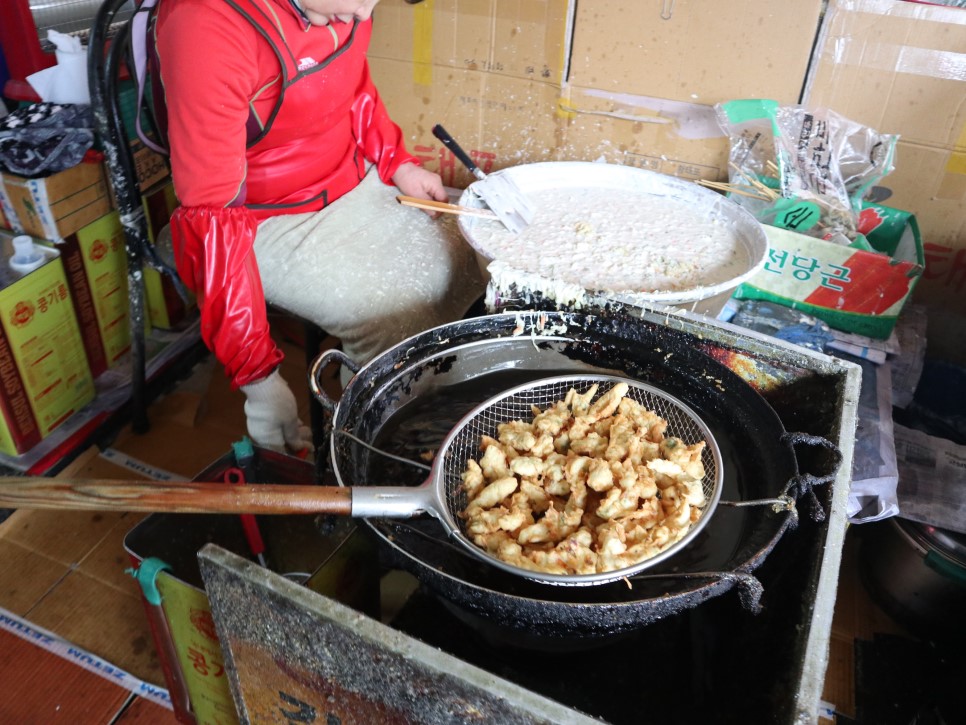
(65, 82)
(818, 164)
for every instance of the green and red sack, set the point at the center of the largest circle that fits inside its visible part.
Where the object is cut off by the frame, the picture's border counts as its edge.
(850, 288)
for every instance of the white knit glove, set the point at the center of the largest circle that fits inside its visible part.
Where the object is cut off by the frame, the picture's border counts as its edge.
(272, 414)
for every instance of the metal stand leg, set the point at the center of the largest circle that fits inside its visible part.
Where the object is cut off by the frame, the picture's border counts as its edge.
(109, 125)
(105, 59)
(318, 416)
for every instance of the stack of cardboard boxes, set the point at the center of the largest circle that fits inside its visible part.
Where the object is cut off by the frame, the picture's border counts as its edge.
(48, 314)
(68, 321)
(635, 84)
(626, 83)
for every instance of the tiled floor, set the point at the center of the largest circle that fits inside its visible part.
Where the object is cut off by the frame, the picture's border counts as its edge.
(64, 571)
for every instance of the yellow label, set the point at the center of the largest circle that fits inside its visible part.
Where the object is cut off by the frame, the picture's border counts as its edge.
(423, 43)
(105, 261)
(158, 205)
(7, 443)
(188, 614)
(41, 327)
(154, 299)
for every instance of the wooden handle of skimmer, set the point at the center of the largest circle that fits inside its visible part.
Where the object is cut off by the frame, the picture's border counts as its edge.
(444, 207)
(173, 497)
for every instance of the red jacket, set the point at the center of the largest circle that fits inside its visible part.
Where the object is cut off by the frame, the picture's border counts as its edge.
(266, 115)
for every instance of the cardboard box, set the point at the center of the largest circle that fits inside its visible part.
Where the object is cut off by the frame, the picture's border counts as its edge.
(897, 67)
(527, 40)
(619, 83)
(488, 70)
(8, 217)
(686, 51)
(499, 121)
(644, 77)
(96, 264)
(670, 137)
(58, 205)
(850, 289)
(165, 307)
(44, 375)
(150, 166)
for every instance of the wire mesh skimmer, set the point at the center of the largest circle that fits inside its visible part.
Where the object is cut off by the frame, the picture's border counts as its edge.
(442, 494)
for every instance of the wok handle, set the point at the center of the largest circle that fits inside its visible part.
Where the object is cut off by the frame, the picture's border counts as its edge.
(802, 485)
(819, 444)
(173, 497)
(315, 374)
(449, 142)
(397, 502)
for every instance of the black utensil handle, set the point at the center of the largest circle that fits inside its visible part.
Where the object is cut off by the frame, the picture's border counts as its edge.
(450, 143)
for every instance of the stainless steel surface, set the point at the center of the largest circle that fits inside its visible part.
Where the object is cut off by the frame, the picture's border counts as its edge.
(442, 494)
(917, 574)
(505, 198)
(463, 444)
(499, 191)
(73, 17)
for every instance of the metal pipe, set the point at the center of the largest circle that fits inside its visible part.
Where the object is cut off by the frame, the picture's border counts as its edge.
(102, 77)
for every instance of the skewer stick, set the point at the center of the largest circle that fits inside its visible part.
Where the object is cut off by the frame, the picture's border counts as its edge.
(444, 207)
(755, 183)
(766, 191)
(720, 186)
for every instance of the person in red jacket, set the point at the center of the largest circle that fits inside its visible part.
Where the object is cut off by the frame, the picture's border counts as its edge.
(286, 165)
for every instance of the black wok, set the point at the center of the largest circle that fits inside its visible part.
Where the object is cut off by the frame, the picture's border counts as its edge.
(404, 401)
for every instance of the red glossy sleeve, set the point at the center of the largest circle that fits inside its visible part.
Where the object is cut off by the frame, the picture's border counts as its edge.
(214, 256)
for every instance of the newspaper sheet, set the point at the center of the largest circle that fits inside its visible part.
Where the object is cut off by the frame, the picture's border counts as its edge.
(932, 479)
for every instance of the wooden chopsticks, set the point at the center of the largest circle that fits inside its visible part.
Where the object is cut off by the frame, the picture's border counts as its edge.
(442, 206)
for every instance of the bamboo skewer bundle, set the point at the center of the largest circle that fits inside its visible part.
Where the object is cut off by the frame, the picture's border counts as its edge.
(734, 189)
(753, 188)
(764, 190)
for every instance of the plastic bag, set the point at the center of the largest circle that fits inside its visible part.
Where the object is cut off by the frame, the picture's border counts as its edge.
(808, 170)
(44, 138)
(65, 82)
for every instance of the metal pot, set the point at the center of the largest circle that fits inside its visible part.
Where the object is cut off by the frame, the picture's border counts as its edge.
(405, 400)
(917, 574)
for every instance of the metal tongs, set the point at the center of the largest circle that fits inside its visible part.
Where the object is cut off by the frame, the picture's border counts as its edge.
(499, 192)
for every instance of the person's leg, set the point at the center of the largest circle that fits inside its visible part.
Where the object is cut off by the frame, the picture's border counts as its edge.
(367, 269)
